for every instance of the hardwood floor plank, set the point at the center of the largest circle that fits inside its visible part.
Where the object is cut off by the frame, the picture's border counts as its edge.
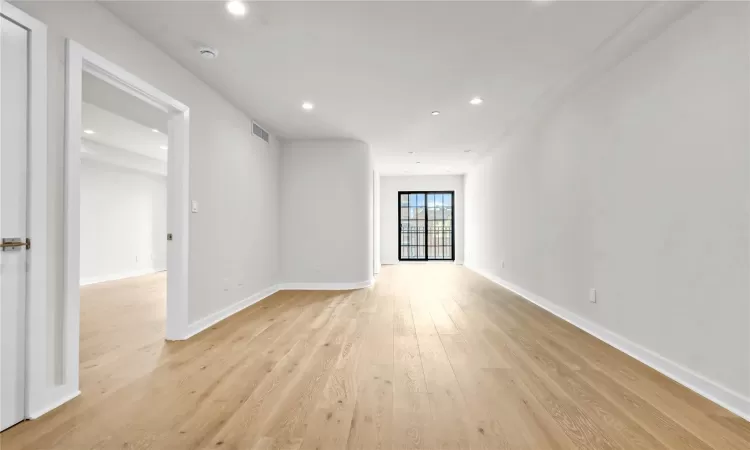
(431, 357)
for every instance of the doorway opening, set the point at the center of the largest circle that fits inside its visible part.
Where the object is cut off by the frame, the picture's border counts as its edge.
(425, 226)
(124, 163)
(123, 222)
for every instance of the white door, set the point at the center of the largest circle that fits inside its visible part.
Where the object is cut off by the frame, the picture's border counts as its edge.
(14, 44)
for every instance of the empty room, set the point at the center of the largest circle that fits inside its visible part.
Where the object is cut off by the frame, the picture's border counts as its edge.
(328, 225)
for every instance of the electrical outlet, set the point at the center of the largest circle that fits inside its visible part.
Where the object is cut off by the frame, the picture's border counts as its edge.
(592, 295)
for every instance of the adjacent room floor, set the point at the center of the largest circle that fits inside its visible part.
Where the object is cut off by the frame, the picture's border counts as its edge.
(432, 357)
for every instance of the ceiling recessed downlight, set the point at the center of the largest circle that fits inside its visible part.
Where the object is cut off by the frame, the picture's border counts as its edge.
(89, 131)
(467, 150)
(476, 101)
(435, 113)
(163, 147)
(307, 106)
(236, 8)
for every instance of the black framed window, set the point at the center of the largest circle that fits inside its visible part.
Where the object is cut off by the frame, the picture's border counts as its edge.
(425, 226)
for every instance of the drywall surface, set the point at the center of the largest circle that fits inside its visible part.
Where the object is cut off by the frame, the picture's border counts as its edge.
(638, 187)
(326, 215)
(389, 188)
(233, 175)
(123, 222)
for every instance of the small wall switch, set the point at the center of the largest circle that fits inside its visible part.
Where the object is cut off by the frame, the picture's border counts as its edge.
(592, 295)
(194, 206)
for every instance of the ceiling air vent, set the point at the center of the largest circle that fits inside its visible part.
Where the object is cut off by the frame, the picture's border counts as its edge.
(260, 132)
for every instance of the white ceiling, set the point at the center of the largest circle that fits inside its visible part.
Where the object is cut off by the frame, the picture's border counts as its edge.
(118, 132)
(375, 70)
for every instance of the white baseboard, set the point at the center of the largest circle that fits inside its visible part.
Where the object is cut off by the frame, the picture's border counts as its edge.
(326, 286)
(54, 404)
(709, 389)
(218, 316)
(119, 276)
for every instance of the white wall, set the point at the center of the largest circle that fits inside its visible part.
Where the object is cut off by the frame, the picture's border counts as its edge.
(123, 222)
(326, 215)
(638, 187)
(233, 175)
(389, 187)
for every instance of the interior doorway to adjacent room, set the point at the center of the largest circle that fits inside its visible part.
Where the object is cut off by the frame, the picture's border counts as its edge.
(123, 226)
(126, 217)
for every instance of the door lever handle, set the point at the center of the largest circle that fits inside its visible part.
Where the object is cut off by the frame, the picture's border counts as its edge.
(13, 243)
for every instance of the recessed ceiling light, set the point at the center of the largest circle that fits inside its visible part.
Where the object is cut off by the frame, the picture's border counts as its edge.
(154, 130)
(411, 153)
(89, 131)
(476, 101)
(236, 8)
(419, 162)
(163, 147)
(467, 150)
(435, 113)
(307, 106)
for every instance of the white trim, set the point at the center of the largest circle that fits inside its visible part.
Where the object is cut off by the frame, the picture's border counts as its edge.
(62, 399)
(79, 60)
(212, 319)
(119, 276)
(326, 286)
(37, 288)
(722, 396)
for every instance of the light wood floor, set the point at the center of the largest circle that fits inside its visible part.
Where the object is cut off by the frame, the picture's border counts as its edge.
(432, 357)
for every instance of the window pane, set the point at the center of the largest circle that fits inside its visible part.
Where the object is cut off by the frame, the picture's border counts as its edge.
(439, 253)
(421, 239)
(430, 252)
(404, 213)
(430, 212)
(412, 199)
(447, 253)
(420, 213)
(412, 213)
(448, 212)
(421, 252)
(447, 200)
(404, 199)
(430, 200)
(420, 199)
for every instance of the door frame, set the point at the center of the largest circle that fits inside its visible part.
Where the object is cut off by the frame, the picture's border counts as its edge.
(79, 60)
(453, 227)
(37, 287)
